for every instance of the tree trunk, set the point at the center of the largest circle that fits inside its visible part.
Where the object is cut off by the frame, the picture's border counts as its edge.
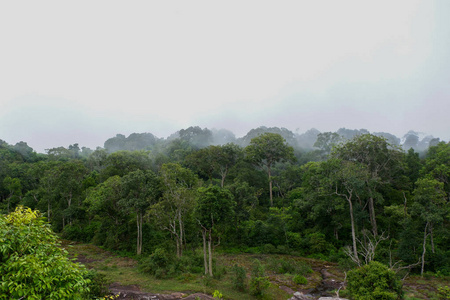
(373, 221)
(180, 223)
(48, 211)
(431, 238)
(270, 186)
(139, 221)
(424, 249)
(205, 260)
(210, 253)
(355, 251)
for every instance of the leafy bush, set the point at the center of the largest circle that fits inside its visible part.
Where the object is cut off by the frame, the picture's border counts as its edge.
(162, 265)
(157, 264)
(239, 278)
(300, 279)
(374, 281)
(31, 263)
(258, 282)
(444, 292)
(98, 285)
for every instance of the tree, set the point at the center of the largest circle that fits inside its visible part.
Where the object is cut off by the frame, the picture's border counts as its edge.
(215, 160)
(430, 206)
(382, 160)
(14, 188)
(266, 150)
(139, 190)
(326, 141)
(178, 196)
(214, 207)
(32, 264)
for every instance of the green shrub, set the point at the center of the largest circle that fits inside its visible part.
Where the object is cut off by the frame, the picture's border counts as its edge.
(98, 286)
(444, 292)
(239, 278)
(374, 281)
(32, 264)
(300, 279)
(258, 282)
(156, 264)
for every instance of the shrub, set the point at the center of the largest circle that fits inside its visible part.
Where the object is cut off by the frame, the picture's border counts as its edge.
(374, 281)
(444, 292)
(32, 264)
(239, 278)
(299, 279)
(258, 282)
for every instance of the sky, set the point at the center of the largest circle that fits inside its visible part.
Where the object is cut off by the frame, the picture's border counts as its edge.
(83, 71)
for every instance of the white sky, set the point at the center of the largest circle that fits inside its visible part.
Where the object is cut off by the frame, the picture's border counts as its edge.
(82, 71)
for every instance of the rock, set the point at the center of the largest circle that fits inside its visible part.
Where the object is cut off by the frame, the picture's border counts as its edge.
(331, 298)
(301, 296)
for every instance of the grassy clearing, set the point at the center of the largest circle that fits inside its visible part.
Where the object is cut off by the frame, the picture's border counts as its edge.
(281, 270)
(124, 271)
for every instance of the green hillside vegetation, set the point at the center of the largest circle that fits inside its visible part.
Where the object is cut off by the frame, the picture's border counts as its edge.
(195, 216)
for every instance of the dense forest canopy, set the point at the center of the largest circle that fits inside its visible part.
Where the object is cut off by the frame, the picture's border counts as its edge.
(348, 196)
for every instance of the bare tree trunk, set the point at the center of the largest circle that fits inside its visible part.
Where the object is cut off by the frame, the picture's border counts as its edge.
(424, 249)
(205, 260)
(210, 253)
(138, 246)
(431, 237)
(373, 220)
(270, 186)
(355, 251)
(48, 211)
(180, 223)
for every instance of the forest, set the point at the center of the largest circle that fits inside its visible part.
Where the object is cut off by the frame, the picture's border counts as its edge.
(348, 197)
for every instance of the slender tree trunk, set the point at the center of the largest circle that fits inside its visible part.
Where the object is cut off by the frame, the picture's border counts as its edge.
(373, 220)
(205, 260)
(270, 186)
(355, 250)
(424, 249)
(431, 238)
(210, 253)
(49, 208)
(138, 239)
(180, 223)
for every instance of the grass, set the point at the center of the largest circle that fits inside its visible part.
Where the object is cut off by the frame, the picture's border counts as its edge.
(124, 270)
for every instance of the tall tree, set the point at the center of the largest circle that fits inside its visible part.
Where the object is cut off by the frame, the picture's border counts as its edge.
(266, 150)
(179, 187)
(214, 207)
(139, 190)
(430, 206)
(382, 160)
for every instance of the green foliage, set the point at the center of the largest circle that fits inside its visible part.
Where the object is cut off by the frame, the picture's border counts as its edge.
(161, 264)
(300, 279)
(374, 281)
(258, 281)
(31, 263)
(217, 295)
(444, 292)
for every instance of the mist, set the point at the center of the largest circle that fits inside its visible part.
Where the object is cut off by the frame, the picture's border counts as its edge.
(162, 67)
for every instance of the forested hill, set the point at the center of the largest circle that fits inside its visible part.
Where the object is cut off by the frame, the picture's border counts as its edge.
(354, 198)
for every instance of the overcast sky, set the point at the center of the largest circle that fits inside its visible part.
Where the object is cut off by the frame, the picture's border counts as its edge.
(83, 71)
